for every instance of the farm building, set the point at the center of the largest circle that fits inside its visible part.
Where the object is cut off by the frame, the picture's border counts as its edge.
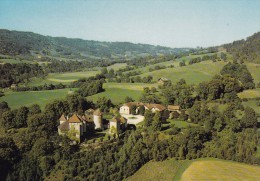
(126, 108)
(155, 107)
(173, 108)
(163, 81)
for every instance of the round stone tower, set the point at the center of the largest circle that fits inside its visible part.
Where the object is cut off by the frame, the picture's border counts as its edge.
(97, 118)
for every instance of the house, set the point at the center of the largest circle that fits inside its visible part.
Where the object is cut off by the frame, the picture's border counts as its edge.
(13, 86)
(173, 108)
(155, 107)
(174, 111)
(126, 108)
(163, 81)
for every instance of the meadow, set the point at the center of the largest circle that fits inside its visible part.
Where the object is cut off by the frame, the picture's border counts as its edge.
(198, 169)
(193, 74)
(17, 99)
(178, 123)
(252, 104)
(117, 92)
(152, 170)
(255, 71)
(215, 169)
(64, 78)
(114, 91)
(251, 93)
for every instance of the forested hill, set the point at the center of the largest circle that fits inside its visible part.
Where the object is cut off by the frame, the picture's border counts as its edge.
(245, 50)
(17, 43)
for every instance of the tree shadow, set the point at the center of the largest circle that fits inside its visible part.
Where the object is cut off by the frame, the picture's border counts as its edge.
(165, 127)
(91, 134)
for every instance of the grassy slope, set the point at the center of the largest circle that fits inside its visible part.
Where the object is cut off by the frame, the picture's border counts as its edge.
(220, 170)
(254, 70)
(252, 104)
(118, 91)
(64, 78)
(181, 124)
(199, 169)
(117, 66)
(253, 93)
(17, 99)
(114, 91)
(164, 170)
(195, 73)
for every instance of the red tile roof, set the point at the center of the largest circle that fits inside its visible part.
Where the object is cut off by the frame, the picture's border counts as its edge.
(130, 104)
(62, 118)
(158, 106)
(74, 119)
(173, 108)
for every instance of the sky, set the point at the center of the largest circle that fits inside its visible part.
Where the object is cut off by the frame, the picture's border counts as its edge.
(172, 23)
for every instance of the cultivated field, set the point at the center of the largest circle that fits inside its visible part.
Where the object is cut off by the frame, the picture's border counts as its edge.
(157, 171)
(220, 170)
(196, 170)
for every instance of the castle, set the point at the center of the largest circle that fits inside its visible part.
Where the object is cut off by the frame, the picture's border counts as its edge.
(76, 125)
(92, 119)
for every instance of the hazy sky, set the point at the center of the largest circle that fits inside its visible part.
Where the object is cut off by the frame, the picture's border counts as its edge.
(173, 23)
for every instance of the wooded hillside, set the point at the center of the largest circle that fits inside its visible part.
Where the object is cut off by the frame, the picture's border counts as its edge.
(246, 50)
(15, 43)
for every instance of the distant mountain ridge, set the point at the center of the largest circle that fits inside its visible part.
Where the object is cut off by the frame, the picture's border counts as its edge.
(17, 43)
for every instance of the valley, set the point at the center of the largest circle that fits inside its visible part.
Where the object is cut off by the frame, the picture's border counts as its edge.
(156, 114)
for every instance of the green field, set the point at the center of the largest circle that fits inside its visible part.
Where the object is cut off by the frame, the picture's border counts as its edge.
(17, 99)
(118, 91)
(117, 66)
(64, 78)
(252, 104)
(199, 169)
(114, 91)
(179, 124)
(252, 93)
(254, 70)
(193, 74)
(152, 170)
(220, 170)
(14, 61)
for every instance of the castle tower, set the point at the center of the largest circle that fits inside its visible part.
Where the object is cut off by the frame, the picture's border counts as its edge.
(97, 117)
(114, 125)
(62, 119)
